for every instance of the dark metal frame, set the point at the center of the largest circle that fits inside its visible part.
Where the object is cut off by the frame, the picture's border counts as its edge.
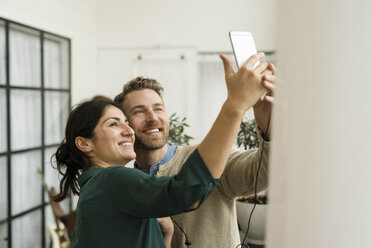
(41, 148)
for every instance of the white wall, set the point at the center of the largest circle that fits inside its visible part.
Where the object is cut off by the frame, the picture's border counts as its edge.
(321, 173)
(73, 19)
(126, 28)
(135, 25)
(204, 24)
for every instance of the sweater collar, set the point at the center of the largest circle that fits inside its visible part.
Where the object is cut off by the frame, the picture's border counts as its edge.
(167, 157)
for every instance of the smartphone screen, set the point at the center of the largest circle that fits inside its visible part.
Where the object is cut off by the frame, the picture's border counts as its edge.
(243, 47)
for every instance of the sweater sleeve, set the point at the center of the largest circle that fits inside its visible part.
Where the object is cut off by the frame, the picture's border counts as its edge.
(141, 195)
(239, 176)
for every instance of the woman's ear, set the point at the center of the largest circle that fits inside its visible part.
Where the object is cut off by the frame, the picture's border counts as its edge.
(83, 144)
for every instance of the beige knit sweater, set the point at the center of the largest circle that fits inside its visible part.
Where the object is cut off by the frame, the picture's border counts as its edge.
(214, 224)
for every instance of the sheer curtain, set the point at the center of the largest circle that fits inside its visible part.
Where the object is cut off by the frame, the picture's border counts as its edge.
(25, 230)
(56, 114)
(26, 190)
(24, 59)
(3, 198)
(24, 65)
(55, 62)
(3, 129)
(2, 53)
(26, 194)
(207, 92)
(25, 119)
(172, 74)
(175, 69)
(25, 109)
(3, 143)
(52, 178)
(3, 125)
(212, 89)
(26, 134)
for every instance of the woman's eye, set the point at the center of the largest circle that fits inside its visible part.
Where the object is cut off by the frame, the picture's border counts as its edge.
(114, 124)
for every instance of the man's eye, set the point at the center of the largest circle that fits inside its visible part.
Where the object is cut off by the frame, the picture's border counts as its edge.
(114, 124)
(138, 112)
(158, 109)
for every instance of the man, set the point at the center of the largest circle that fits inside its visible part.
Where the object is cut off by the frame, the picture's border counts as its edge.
(214, 224)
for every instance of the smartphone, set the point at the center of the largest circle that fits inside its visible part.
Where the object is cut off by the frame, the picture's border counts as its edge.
(243, 47)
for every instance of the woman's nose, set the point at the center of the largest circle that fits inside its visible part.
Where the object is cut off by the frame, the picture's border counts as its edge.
(127, 130)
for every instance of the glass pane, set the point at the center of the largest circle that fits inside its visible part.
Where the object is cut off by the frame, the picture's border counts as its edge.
(49, 219)
(3, 235)
(26, 186)
(25, 119)
(3, 188)
(52, 176)
(2, 53)
(56, 58)
(56, 113)
(3, 126)
(24, 56)
(26, 230)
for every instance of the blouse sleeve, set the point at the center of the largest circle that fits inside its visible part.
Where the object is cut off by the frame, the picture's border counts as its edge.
(139, 194)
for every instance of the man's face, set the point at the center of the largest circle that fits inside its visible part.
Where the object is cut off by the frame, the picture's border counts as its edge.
(146, 114)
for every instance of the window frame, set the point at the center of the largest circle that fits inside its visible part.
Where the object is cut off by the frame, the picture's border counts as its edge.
(9, 152)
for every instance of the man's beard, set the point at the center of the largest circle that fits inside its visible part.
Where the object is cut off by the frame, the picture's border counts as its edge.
(150, 145)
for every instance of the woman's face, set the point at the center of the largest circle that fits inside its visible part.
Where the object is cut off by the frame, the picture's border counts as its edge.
(112, 144)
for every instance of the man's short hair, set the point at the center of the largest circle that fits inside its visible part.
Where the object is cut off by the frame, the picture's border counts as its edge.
(139, 83)
(101, 97)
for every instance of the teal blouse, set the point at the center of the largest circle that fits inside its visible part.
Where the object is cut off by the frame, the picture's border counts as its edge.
(118, 206)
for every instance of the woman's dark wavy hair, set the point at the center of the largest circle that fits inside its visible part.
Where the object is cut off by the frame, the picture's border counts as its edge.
(70, 161)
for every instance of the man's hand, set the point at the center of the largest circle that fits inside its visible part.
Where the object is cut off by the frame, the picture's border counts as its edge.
(167, 228)
(262, 109)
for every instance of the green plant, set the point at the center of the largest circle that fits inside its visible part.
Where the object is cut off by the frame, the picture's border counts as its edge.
(177, 137)
(247, 136)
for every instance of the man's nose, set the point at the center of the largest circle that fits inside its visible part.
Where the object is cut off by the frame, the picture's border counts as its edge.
(151, 116)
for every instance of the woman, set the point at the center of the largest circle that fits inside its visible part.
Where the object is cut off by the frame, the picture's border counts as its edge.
(117, 205)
